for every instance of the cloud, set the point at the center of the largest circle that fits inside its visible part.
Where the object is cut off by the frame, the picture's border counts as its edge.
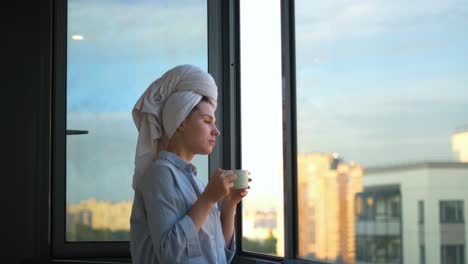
(339, 19)
(127, 45)
(399, 120)
(137, 31)
(341, 30)
(100, 164)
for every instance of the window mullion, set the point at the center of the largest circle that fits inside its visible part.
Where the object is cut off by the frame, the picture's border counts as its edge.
(289, 130)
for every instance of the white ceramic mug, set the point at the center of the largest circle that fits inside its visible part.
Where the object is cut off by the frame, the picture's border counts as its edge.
(242, 181)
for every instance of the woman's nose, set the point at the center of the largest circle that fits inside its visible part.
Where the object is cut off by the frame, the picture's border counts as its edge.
(216, 131)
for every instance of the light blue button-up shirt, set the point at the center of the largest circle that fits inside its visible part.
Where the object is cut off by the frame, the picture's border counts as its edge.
(160, 229)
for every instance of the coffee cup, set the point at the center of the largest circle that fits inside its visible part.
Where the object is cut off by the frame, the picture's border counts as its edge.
(242, 181)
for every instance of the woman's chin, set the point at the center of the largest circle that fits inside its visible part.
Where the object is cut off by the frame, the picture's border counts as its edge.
(208, 151)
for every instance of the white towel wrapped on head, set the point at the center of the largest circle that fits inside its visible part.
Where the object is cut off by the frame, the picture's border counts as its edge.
(164, 106)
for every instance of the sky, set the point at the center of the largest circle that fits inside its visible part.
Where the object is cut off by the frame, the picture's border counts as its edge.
(379, 82)
(261, 104)
(126, 46)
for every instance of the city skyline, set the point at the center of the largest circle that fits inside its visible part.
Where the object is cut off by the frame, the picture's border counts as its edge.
(334, 213)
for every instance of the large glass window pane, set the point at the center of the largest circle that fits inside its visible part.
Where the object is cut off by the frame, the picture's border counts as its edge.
(115, 50)
(261, 121)
(382, 114)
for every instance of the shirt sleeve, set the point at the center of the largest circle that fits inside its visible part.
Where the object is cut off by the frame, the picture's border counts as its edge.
(231, 251)
(172, 231)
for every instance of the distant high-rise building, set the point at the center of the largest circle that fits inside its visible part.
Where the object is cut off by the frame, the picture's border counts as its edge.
(326, 191)
(460, 144)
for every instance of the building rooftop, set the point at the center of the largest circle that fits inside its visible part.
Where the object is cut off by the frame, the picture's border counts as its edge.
(417, 166)
(461, 129)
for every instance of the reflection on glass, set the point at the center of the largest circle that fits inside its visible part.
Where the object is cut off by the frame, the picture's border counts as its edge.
(115, 50)
(261, 117)
(382, 131)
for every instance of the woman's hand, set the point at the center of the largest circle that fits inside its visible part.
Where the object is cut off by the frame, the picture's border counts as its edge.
(234, 197)
(228, 212)
(219, 185)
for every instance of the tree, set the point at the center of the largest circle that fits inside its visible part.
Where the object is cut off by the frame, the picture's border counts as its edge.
(267, 246)
(86, 233)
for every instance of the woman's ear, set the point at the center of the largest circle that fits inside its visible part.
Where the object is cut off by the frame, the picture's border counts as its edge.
(181, 127)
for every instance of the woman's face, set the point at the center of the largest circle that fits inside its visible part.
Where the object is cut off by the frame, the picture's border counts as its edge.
(199, 129)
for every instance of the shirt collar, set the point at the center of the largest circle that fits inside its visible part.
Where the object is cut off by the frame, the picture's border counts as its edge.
(178, 162)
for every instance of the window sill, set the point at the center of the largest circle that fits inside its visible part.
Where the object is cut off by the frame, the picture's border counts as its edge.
(237, 260)
(91, 261)
(77, 261)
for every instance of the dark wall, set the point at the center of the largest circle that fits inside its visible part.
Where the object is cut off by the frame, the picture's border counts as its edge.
(25, 125)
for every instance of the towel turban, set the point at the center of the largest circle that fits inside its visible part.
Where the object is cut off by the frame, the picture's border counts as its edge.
(163, 107)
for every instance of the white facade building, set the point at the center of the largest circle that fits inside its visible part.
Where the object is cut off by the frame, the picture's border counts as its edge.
(424, 189)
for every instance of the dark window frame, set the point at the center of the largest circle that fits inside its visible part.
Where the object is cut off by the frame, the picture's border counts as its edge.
(224, 65)
(291, 249)
(219, 65)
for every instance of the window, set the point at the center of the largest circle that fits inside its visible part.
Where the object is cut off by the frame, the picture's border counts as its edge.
(378, 249)
(261, 131)
(421, 212)
(112, 51)
(422, 248)
(119, 54)
(364, 72)
(329, 104)
(452, 254)
(451, 211)
(422, 254)
(394, 207)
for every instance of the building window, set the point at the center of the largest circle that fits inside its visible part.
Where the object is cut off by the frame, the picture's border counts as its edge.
(378, 249)
(452, 254)
(451, 212)
(421, 212)
(422, 254)
(395, 207)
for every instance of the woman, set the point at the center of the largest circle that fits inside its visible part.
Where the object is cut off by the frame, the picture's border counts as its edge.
(175, 217)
